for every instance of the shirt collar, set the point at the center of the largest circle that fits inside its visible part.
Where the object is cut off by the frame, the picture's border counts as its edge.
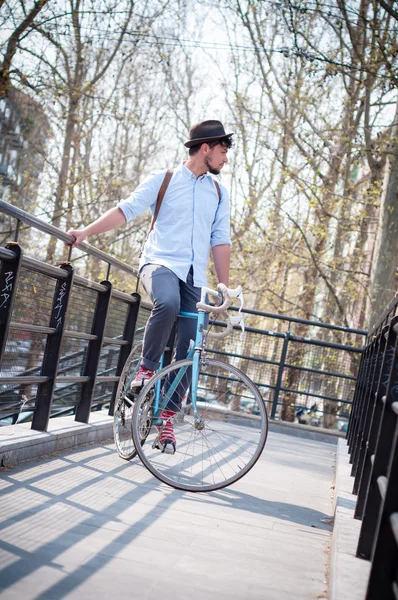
(189, 175)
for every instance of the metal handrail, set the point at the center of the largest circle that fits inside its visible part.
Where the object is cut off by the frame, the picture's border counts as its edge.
(293, 338)
(250, 311)
(25, 217)
(6, 254)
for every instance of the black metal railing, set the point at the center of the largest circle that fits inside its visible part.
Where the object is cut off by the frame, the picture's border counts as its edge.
(295, 372)
(64, 340)
(372, 440)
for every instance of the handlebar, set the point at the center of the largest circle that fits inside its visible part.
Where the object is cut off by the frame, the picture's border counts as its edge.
(227, 295)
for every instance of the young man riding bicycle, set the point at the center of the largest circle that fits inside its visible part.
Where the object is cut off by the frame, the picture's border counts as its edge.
(194, 216)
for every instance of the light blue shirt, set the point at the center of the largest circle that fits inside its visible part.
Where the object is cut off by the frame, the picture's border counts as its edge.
(190, 221)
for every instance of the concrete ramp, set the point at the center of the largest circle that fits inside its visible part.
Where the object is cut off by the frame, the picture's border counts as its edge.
(84, 524)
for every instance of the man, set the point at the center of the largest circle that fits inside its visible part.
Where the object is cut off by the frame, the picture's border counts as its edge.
(194, 217)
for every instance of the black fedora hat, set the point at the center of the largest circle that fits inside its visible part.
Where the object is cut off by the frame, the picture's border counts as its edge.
(206, 131)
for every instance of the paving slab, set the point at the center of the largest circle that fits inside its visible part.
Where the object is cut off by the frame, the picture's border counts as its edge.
(20, 442)
(85, 524)
(348, 573)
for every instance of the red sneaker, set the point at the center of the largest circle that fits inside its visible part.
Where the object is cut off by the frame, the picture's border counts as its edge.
(167, 440)
(143, 374)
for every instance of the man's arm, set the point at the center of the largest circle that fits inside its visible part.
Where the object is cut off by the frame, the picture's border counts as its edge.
(143, 197)
(221, 258)
(110, 220)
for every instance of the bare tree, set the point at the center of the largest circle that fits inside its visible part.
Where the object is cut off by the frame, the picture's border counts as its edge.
(26, 21)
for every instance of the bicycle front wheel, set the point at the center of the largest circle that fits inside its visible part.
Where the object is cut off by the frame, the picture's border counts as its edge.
(124, 406)
(222, 446)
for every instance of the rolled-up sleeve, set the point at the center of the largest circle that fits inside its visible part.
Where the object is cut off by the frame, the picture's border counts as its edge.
(143, 197)
(220, 231)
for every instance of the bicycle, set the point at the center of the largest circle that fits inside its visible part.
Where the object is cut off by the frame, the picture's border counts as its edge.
(218, 441)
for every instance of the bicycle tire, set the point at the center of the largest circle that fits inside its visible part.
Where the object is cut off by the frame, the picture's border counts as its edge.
(124, 407)
(238, 443)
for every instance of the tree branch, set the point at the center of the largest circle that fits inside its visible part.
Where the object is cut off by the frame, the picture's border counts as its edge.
(389, 9)
(13, 43)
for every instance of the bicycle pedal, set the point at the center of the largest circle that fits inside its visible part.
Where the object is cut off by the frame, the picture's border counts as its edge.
(167, 447)
(131, 394)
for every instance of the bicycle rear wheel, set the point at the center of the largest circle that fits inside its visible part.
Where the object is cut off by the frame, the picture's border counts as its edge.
(124, 406)
(218, 450)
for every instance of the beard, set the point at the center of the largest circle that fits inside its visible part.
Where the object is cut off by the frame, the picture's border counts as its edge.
(211, 169)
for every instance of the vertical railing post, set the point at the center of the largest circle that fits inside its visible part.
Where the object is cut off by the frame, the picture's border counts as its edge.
(9, 273)
(371, 426)
(360, 387)
(367, 411)
(52, 350)
(278, 384)
(382, 577)
(128, 335)
(357, 391)
(356, 430)
(93, 354)
(383, 446)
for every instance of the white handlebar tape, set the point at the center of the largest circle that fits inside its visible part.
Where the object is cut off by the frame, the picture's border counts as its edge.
(221, 334)
(227, 294)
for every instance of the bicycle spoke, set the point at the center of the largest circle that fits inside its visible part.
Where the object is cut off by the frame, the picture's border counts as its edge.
(124, 407)
(216, 432)
(186, 450)
(235, 454)
(214, 458)
(222, 444)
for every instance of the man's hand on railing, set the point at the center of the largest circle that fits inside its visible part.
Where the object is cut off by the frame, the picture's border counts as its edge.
(114, 217)
(79, 235)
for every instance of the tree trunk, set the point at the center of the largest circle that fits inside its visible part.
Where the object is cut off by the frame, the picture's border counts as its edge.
(382, 286)
(63, 177)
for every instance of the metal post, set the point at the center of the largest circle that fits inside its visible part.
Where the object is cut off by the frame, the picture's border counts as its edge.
(9, 273)
(128, 335)
(93, 354)
(382, 451)
(17, 229)
(367, 412)
(280, 374)
(384, 552)
(52, 350)
(361, 483)
(358, 387)
(356, 431)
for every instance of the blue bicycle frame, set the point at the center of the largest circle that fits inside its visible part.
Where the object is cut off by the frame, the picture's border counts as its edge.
(194, 354)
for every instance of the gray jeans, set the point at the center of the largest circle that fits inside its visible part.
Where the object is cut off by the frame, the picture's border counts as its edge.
(169, 295)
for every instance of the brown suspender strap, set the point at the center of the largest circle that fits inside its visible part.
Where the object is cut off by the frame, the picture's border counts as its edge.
(159, 200)
(218, 189)
(160, 197)
(162, 191)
